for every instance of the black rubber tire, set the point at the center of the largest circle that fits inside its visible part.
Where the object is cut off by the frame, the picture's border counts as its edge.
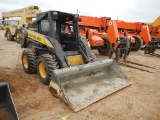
(16, 36)
(138, 43)
(104, 50)
(31, 58)
(93, 58)
(159, 45)
(50, 63)
(111, 53)
(126, 48)
(9, 36)
(125, 54)
(153, 48)
(118, 53)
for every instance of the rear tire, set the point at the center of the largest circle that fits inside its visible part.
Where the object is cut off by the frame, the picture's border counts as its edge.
(46, 64)
(17, 36)
(118, 54)
(138, 43)
(105, 49)
(29, 61)
(9, 36)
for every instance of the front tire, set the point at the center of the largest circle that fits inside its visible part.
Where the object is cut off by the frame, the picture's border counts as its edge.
(138, 43)
(46, 64)
(29, 61)
(105, 49)
(9, 36)
(17, 36)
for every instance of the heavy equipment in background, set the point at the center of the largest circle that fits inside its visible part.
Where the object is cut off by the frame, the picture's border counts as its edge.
(154, 29)
(103, 35)
(4, 25)
(156, 23)
(11, 27)
(7, 107)
(65, 62)
(138, 34)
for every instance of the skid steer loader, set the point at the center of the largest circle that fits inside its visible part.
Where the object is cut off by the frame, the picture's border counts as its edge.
(65, 62)
(7, 108)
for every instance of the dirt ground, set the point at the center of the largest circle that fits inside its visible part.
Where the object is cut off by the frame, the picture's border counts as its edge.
(140, 101)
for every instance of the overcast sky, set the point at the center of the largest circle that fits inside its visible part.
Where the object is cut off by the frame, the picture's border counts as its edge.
(128, 10)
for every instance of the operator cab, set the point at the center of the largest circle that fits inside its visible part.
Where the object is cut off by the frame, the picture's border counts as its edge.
(55, 26)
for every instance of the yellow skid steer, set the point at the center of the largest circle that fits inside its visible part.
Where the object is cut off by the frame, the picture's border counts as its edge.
(64, 61)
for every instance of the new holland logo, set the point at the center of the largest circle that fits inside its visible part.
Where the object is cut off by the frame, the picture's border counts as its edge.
(34, 37)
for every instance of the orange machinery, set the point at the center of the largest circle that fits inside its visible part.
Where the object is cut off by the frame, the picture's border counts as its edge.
(155, 31)
(103, 35)
(155, 35)
(139, 34)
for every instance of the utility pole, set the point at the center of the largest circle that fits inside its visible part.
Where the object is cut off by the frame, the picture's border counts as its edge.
(77, 11)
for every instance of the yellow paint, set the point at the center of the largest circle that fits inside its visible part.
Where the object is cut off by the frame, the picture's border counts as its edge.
(156, 22)
(89, 44)
(26, 15)
(42, 70)
(38, 37)
(25, 61)
(75, 60)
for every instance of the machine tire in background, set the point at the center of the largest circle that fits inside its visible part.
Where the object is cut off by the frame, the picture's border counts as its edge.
(105, 49)
(156, 44)
(29, 61)
(17, 36)
(138, 43)
(46, 64)
(159, 45)
(9, 36)
(118, 54)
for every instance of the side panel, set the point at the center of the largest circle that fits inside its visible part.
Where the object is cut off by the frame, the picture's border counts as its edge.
(75, 60)
(39, 38)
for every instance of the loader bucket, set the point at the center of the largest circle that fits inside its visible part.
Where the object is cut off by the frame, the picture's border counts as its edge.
(7, 108)
(82, 85)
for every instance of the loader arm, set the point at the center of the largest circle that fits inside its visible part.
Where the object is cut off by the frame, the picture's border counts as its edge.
(26, 14)
(112, 32)
(145, 34)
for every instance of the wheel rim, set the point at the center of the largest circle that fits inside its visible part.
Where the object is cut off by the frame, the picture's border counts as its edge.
(25, 61)
(42, 70)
